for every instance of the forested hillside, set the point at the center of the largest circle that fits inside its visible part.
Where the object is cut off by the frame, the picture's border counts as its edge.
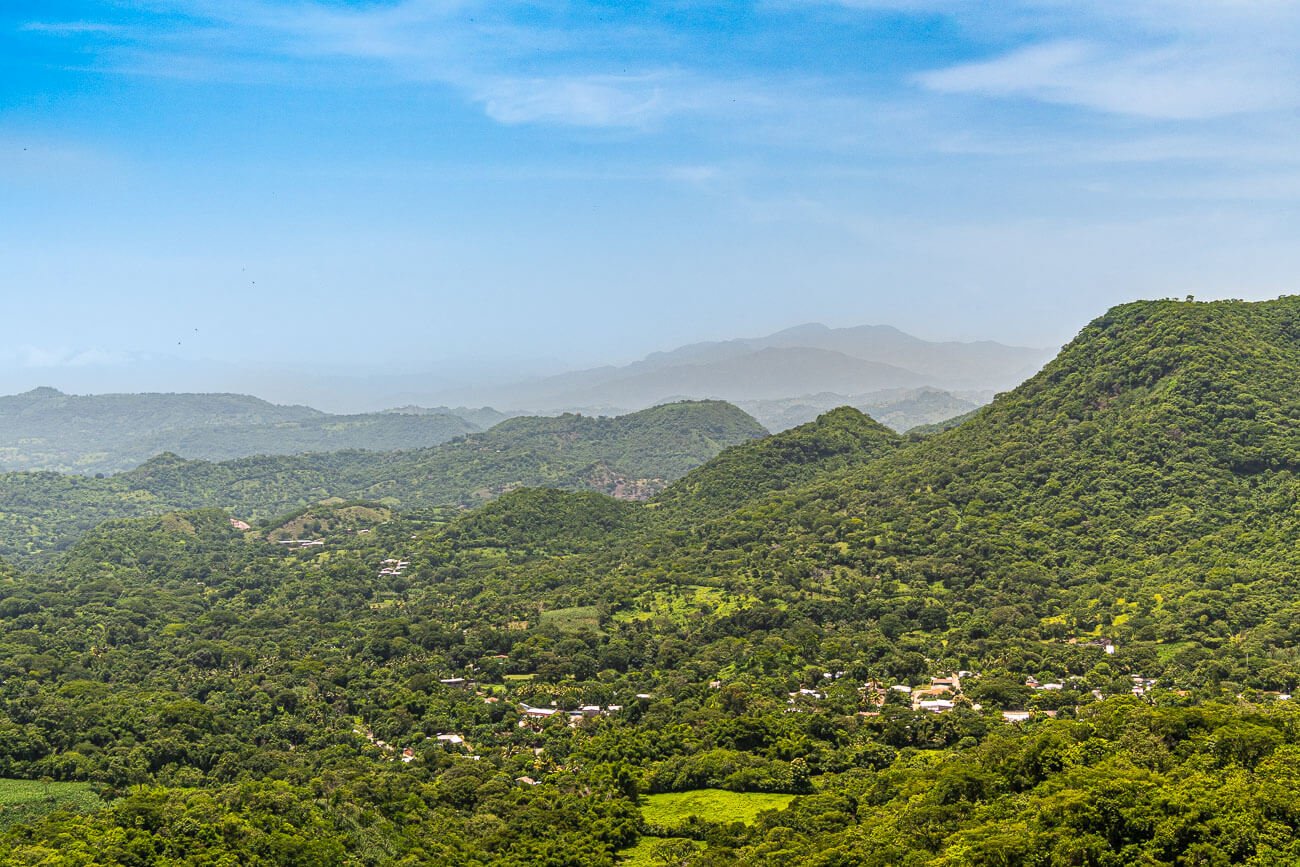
(745, 473)
(631, 457)
(1063, 632)
(1165, 435)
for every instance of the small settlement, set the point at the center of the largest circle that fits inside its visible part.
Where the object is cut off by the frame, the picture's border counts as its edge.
(946, 692)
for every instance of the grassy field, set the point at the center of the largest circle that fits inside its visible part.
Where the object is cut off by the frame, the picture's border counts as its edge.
(658, 851)
(315, 522)
(24, 800)
(580, 619)
(686, 603)
(715, 805)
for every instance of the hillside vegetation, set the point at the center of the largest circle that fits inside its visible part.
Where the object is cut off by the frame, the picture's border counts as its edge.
(1062, 632)
(741, 474)
(631, 456)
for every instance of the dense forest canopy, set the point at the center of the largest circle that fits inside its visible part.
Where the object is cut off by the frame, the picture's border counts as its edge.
(1061, 632)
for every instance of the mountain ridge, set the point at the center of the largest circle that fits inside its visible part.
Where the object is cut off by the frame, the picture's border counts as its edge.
(709, 369)
(1153, 405)
(45, 429)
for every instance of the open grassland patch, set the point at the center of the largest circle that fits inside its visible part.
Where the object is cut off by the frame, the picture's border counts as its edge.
(26, 800)
(584, 618)
(659, 851)
(686, 603)
(671, 809)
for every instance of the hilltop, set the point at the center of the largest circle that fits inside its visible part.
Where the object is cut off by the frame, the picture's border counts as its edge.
(745, 473)
(1157, 449)
(900, 409)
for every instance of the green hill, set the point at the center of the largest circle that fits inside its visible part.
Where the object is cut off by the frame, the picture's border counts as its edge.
(899, 409)
(1157, 449)
(376, 432)
(543, 519)
(837, 439)
(1161, 424)
(631, 456)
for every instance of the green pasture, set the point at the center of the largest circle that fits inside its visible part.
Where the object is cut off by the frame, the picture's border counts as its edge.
(26, 800)
(671, 809)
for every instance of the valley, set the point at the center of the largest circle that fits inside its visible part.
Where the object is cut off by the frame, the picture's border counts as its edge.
(1061, 631)
(757, 434)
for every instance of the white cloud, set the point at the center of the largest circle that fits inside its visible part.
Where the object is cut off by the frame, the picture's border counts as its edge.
(1169, 84)
(1179, 60)
(1163, 60)
(599, 100)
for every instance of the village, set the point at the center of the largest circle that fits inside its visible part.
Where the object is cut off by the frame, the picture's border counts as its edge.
(456, 744)
(944, 693)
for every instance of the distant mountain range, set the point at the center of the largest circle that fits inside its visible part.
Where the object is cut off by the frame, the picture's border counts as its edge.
(783, 380)
(45, 429)
(890, 374)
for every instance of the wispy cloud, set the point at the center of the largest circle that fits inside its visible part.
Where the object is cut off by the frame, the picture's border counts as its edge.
(556, 65)
(475, 48)
(586, 101)
(74, 28)
(1175, 83)
(1251, 146)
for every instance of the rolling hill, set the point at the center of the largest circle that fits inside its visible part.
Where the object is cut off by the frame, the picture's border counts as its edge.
(1142, 478)
(748, 472)
(631, 456)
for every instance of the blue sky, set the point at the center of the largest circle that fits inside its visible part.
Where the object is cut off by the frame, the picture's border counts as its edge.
(196, 189)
